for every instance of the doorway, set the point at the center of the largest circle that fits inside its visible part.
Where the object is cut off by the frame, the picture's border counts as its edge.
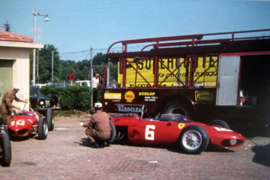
(5, 76)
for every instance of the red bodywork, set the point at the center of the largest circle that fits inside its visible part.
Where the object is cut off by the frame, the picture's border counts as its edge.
(23, 124)
(154, 131)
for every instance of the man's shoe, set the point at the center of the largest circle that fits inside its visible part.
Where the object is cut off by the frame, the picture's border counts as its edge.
(107, 143)
(101, 144)
(94, 145)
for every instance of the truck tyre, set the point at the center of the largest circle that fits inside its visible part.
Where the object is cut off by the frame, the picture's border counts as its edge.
(42, 128)
(50, 119)
(176, 108)
(219, 123)
(193, 139)
(5, 149)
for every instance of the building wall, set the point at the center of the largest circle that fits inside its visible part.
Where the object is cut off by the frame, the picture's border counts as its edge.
(21, 70)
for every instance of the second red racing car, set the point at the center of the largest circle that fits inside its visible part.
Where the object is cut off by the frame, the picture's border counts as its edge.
(24, 123)
(175, 129)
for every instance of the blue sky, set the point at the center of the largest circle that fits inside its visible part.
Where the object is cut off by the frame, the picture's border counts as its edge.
(77, 25)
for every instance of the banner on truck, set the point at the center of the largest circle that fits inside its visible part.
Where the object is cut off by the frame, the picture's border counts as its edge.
(205, 74)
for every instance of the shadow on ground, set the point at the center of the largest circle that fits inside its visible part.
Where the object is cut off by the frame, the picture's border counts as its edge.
(262, 155)
(84, 142)
(14, 139)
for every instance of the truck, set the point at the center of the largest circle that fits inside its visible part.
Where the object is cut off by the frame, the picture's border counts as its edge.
(202, 76)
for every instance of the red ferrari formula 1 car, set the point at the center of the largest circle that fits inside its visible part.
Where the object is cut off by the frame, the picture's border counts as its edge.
(26, 122)
(175, 129)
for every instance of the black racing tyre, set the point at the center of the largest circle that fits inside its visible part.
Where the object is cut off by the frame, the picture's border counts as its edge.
(219, 123)
(193, 139)
(176, 108)
(50, 119)
(5, 154)
(113, 132)
(42, 128)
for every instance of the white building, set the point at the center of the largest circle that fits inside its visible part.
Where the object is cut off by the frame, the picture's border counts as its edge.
(15, 63)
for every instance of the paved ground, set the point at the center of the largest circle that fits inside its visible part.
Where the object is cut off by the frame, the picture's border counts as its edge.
(65, 155)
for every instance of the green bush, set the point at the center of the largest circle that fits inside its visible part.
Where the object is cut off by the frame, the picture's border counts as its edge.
(74, 97)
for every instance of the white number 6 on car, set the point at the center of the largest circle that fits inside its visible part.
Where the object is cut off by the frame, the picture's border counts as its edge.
(149, 132)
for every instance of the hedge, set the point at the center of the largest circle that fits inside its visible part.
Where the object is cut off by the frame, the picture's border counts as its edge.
(74, 97)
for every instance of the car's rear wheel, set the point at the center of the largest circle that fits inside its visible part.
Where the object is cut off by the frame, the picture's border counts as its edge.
(219, 123)
(5, 150)
(50, 119)
(193, 139)
(42, 128)
(113, 132)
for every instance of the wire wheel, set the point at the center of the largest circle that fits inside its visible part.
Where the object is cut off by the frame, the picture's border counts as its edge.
(192, 140)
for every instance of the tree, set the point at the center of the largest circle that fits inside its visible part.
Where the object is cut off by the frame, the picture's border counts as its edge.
(63, 68)
(80, 69)
(7, 26)
(45, 65)
(99, 59)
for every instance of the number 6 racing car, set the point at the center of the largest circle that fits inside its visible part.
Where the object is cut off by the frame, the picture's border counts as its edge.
(176, 129)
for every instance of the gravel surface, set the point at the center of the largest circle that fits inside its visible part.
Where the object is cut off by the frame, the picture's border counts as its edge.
(66, 154)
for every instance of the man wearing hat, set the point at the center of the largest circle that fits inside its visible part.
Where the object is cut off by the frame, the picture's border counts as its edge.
(6, 105)
(98, 129)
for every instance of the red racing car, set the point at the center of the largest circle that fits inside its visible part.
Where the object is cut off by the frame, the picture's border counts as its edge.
(26, 122)
(176, 129)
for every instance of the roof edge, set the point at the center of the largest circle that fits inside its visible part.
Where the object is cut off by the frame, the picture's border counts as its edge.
(26, 45)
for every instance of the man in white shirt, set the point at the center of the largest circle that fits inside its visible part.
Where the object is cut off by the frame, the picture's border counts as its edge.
(95, 83)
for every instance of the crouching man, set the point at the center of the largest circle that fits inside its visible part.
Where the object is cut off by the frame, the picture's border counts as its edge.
(98, 129)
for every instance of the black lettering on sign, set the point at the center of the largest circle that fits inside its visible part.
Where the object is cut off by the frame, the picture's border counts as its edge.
(170, 62)
(140, 64)
(148, 64)
(162, 64)
(160, 74)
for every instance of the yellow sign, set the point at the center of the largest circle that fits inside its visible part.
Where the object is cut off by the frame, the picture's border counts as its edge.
(129, 96)
(181, 125)
(169, 73)
(204, 96)
(147, 93)
(117, 96)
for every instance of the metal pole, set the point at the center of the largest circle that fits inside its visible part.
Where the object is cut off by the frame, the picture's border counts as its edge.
(91, 76)
(34, 52)
(35, 13)
(52, 65)
(108, 73)
(37, 63)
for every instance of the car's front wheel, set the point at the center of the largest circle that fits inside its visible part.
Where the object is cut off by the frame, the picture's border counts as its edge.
(42, 128)
(193, 139)
(113, 132)
(5, 150)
